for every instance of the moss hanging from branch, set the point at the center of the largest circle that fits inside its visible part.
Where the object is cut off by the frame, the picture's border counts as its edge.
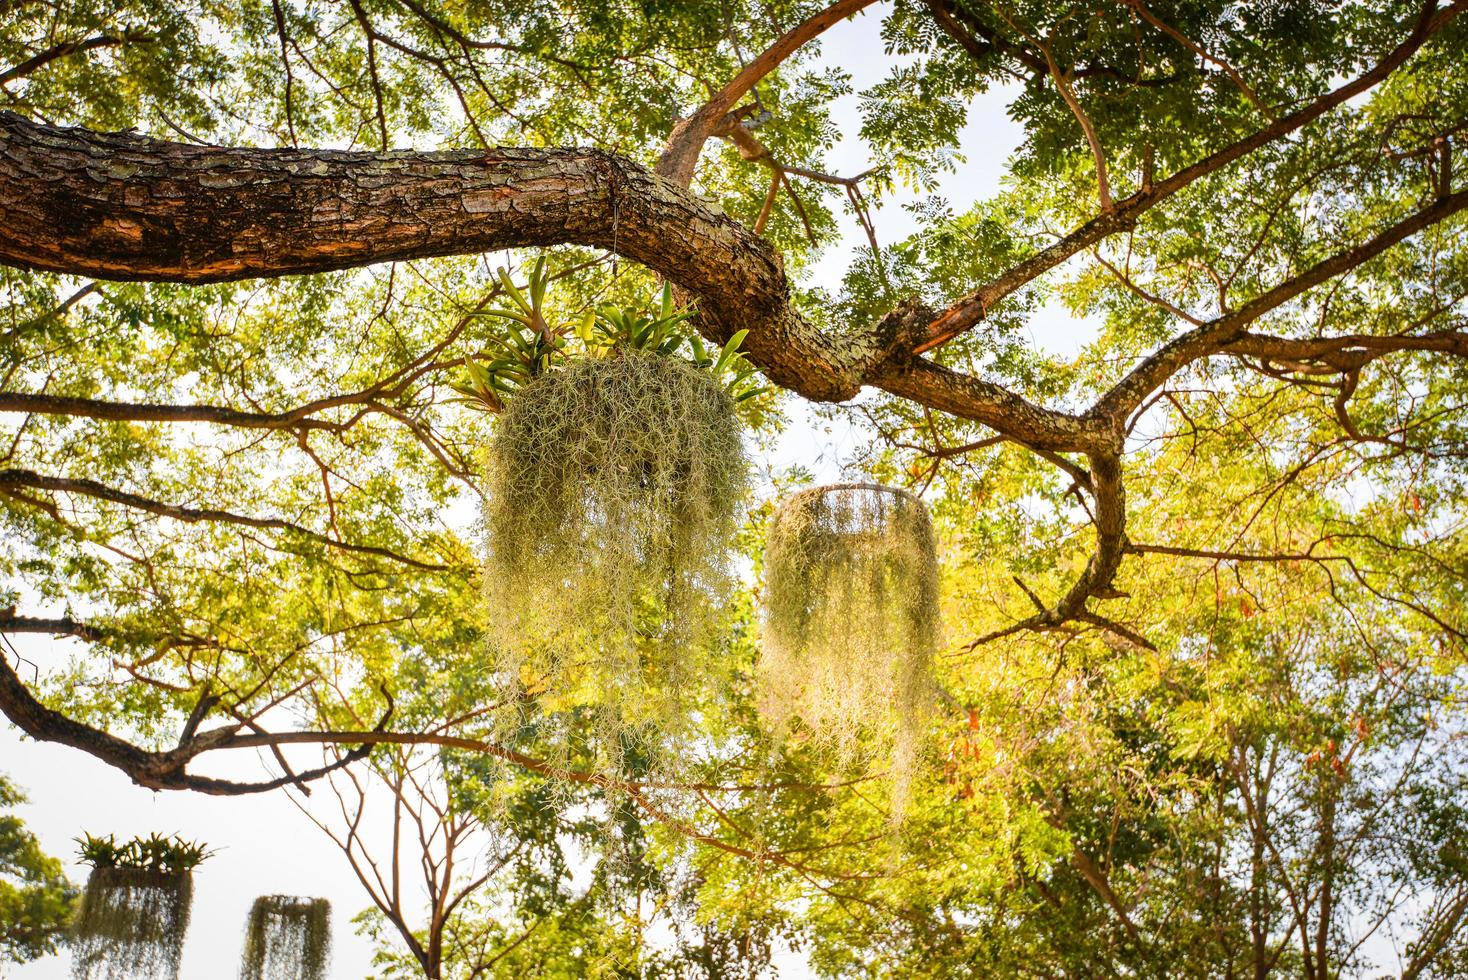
(850, 623)
(287, 938)
(131, 924)
(616, 487)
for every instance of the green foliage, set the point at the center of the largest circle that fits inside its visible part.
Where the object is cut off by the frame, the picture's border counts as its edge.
(287, 938)
(615, 488)
(537, 339)
(36, 900)
(131, 923)
(851, 622)
(154, 853)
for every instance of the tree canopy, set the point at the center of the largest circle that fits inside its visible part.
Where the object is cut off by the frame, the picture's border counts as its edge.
(35, 898)
(1197, 709)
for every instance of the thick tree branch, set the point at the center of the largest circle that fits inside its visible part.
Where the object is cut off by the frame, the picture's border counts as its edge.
(122, 206)
(982, 401)
(1347, 352)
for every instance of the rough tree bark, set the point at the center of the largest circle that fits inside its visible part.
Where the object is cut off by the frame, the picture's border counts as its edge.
(122, 206)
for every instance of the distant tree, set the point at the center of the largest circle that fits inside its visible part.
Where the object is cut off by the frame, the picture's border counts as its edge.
(36, 900)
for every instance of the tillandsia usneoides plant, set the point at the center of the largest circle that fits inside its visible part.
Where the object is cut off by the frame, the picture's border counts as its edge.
(616, 482)
(134, 912)
(850, 624)
(287, 938)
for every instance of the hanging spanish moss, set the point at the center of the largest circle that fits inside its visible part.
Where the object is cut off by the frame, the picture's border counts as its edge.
(287, 938)
(851, 623)
(616, 487)
(131, 924)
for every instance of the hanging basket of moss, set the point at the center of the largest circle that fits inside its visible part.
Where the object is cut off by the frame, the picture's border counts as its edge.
(287, 938)
(131, 923)
(850, 620)
(616, 486)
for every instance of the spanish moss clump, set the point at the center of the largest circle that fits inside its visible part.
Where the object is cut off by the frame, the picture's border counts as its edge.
(616, 486)
(287, 938)
(131, 924)
(851, 622)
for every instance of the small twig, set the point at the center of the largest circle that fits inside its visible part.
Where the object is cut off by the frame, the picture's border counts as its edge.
(1191, 45)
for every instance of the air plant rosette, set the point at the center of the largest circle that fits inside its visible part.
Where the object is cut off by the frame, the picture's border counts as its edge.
(287, 938)
(617, 480)
(850, 624)
(134, 912)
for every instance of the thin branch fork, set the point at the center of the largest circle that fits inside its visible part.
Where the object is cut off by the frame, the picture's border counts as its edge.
(67, 48)
(150, 769)
(680, 155)
(1146, 14)
(1062, 78)
(301, 418)
(43, 404)
(752, 149)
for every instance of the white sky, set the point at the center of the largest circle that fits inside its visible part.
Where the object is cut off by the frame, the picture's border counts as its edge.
(265, 846)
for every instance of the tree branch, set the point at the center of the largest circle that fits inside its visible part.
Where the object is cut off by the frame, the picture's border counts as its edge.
(13, 478)
(153, 770)
(685, 143)
(123, 206)
(1217, 334)
(65, 49)
(1146, 14)
(970, 310)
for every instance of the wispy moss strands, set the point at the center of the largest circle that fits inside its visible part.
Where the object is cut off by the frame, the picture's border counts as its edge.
(131, 924)
(850, 623)
(616, 488)
(287, 938)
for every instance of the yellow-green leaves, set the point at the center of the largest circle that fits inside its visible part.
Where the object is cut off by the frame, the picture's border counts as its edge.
(537, 339)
